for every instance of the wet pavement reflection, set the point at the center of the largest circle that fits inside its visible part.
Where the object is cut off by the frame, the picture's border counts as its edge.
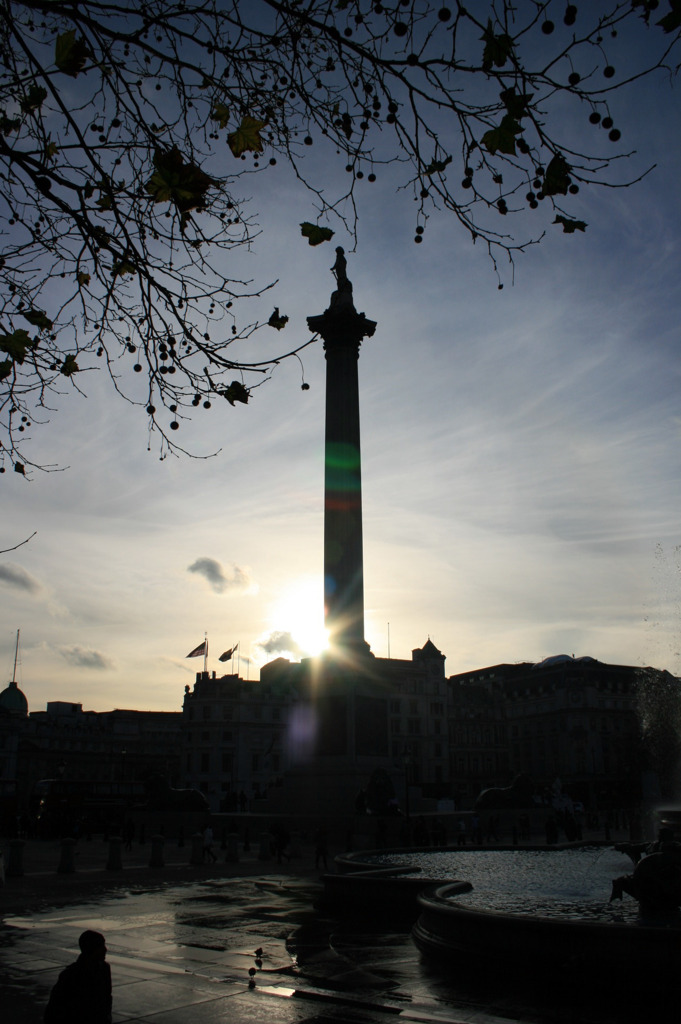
(247, 950)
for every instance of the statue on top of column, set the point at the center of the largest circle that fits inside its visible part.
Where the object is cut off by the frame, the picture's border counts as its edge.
(343, 294)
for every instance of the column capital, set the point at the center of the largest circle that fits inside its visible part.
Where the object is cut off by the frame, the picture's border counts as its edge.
(342, 325)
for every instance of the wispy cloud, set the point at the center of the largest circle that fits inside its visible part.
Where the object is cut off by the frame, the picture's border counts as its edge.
(83, 657)
(219, 578)
(280, 642)
(13, 575)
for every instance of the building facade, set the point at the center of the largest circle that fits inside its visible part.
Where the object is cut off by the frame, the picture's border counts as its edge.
(609, 734)
(601, 730)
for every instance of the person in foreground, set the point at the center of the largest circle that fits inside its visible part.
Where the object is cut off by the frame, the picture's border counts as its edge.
(82, 994)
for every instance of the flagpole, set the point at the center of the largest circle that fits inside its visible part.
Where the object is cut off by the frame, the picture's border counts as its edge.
(205, 654)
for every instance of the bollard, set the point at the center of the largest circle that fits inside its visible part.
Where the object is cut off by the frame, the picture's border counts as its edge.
(232, 848)
(15, 865)
(295, 852)
(265, 846)
(197, 849)
(114, 862)
(156, 859)
(66, 864)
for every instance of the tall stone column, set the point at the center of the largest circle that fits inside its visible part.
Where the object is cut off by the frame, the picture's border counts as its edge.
(342, 329)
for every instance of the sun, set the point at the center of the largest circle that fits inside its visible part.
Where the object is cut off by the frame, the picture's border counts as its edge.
(300, 612)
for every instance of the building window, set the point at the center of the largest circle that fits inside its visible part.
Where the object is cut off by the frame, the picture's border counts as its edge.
(227, 712)
(205, 762)
(394, 707)
(395, 726)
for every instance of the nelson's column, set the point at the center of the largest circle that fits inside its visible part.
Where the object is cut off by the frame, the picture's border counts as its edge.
(342, 329)
(346, 748)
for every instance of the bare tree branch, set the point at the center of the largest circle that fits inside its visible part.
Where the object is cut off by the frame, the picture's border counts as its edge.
(119, 211)
(4, 551)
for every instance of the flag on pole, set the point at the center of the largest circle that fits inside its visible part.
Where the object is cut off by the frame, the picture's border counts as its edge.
(199, 651)
(227, 656)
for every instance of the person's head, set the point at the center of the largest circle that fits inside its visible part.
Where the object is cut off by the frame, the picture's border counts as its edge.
(92, 945)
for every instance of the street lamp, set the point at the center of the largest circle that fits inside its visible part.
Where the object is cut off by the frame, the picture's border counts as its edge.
(407, 762)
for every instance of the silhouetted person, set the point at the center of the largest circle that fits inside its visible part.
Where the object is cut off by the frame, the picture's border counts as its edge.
(208, 840)
(321, 848)
(281, 842)
(82, 994)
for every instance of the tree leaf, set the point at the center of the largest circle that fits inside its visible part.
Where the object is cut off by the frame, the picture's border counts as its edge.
(557, 177)
(502, 139)
(516, 103)
(122, 267)
(175, 181)
(437, 166)
(569, 225)
(70, 53)
(277, 320)
(82, 277)
(246, 137)
(220, 113)
(315, 234)
(33, 99)
(6, 368)
(9, 124)
(38, 318)
(15, 344)
(236, 392)
(671, 21)
(69, 366)
(497, 48)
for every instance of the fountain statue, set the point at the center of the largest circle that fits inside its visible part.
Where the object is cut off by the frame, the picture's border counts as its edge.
(655, 881)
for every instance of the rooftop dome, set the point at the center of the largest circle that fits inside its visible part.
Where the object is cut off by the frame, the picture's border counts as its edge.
(13, 701)
(560, 659)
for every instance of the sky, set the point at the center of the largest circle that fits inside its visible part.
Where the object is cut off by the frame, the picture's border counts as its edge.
(520, 462)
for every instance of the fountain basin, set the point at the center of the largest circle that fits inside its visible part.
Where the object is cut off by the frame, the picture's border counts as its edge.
(391, 891)
(447, 930)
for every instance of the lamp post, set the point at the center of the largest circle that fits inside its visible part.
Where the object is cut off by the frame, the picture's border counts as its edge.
(407, 762)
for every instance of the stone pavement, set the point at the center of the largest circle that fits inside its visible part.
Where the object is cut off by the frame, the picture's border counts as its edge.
(183, 942)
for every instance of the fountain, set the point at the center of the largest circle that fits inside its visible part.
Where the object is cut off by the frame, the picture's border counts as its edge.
(525, 908)
(649, 940)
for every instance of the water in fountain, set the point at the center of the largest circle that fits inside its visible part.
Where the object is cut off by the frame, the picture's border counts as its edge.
(574, 883)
